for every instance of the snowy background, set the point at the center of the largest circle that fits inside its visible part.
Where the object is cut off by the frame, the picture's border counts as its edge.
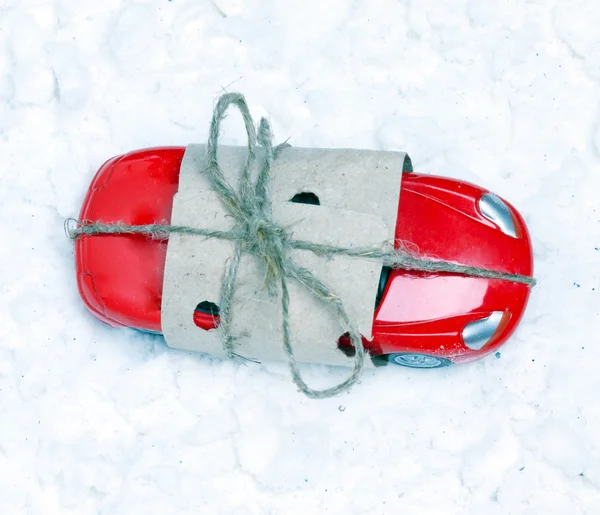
(503, 93)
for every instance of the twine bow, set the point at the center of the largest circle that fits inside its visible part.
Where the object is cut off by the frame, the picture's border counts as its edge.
(257, 234)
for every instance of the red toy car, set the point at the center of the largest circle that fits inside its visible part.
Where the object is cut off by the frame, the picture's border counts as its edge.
(420, 320)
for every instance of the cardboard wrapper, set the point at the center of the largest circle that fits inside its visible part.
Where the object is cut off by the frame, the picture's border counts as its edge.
(359, 192)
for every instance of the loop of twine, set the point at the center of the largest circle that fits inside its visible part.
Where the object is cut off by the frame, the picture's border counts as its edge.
(256, 233)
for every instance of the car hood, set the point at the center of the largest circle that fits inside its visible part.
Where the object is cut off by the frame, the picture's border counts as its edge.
(440, 219)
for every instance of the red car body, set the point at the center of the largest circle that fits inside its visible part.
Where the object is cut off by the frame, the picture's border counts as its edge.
(424, 320)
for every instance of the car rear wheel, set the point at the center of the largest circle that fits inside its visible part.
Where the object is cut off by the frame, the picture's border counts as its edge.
(414, 360)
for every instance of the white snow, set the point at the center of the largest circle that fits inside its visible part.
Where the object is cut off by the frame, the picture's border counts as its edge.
(100, 421)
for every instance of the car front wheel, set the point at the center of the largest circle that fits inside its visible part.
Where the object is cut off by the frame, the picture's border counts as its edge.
(413, 360)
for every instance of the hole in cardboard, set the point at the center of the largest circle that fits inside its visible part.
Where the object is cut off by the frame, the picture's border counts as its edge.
(206, 315)
(306, 197)
(344, 344)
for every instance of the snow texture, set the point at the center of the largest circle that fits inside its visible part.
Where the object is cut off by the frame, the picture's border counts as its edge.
(503, 93)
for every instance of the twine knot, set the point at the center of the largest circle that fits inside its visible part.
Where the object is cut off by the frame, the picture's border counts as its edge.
(269, 242)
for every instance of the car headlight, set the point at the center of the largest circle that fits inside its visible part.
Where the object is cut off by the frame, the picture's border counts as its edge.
(495, 210)
(477, 334)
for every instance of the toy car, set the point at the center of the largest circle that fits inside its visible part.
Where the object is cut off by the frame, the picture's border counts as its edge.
(421, 320)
